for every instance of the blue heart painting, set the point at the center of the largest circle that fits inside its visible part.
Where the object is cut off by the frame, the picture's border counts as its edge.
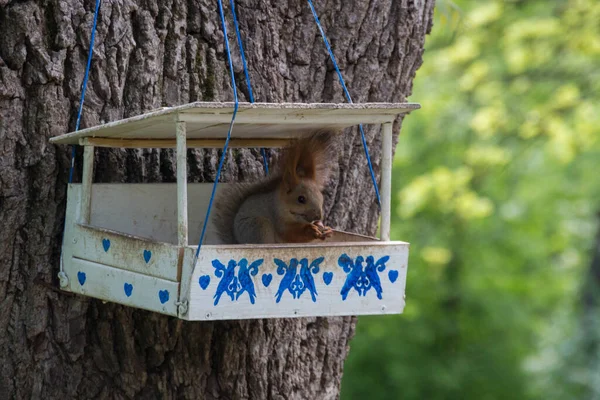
(147, 256)
(81, 277)
(204, 281)
(163, 296)
(266, 279)
(327, 277)
(393, 275)
(128, 288)
(106, 244)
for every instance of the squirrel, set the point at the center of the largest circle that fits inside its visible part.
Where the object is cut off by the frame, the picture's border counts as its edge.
(286, 207)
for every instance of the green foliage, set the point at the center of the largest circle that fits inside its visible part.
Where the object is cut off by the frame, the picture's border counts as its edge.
(498, 181)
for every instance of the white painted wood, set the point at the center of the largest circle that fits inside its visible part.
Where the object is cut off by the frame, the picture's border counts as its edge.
(253, 121)
(328, 301)
(386, 180)
(144, 210)
(123, 287)
(125, 252)
(71, 217)
(182, 196)
(104, 280)
(86, 184)
(107, 271)
(187, 269)
(191, 143)
(150, 210)
(330, 118)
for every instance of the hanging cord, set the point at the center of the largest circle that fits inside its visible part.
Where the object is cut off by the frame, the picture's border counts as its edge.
(235, 109)
(84, 86)
(341, 79)
(239, 39)
(250, 95)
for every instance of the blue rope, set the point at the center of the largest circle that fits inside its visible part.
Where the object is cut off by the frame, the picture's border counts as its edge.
(235, 109)
(84, 86)
(239, 39)
(341, 79)
(265, 161)
(250, 94)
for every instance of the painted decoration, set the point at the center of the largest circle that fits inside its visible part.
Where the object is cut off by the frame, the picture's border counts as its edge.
(128, 289)
(121, 286)
(234, 282)
(163, 295)
(147, 256)
(284, 282)
(204, 281)
(266, 279)
(393, 275)
(362, 274)
(81, 277)
(297, 277)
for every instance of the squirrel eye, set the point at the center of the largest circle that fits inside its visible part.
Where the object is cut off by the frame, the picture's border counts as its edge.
(301, 199)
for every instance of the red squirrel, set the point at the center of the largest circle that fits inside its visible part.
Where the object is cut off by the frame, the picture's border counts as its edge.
(286, 207)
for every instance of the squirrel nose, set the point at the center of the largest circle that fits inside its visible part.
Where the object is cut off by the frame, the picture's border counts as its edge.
(317, 215)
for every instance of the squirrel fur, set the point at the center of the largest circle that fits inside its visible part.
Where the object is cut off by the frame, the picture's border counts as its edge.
(286, 207)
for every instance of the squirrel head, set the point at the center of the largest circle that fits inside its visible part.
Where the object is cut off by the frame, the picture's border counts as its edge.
(301, 203)
(305, 170)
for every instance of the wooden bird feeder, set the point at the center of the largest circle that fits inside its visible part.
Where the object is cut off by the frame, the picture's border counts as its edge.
(128, 243)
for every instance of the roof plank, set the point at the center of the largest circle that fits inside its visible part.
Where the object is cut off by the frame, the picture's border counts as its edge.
(254, 121)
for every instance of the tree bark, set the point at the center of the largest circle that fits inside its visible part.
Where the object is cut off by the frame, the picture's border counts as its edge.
(148, 54)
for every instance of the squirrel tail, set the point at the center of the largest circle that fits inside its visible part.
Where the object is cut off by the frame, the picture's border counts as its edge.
(227, 204)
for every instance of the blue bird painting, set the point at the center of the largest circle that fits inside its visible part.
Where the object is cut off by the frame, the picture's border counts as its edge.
(228, 283)
(354, 271)
(288, 280)
(360, 277)
(306, 273)
(371, 272)
(245, 280)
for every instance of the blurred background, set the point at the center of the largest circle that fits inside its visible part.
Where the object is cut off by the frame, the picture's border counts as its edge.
(497, 188)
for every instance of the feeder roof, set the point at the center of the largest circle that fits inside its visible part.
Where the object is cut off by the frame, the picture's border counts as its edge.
(254, 121)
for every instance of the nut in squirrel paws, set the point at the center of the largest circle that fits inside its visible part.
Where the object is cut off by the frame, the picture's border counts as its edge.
(320, 231)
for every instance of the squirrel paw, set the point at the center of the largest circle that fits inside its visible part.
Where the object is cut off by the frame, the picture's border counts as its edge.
(327, 232)
(319, 231)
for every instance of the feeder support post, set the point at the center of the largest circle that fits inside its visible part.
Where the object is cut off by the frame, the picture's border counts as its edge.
(182, 198)
(86, 185)
(386, 180)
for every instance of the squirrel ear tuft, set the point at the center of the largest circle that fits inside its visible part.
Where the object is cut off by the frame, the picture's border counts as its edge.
(323, 146)
(289, 181)
(305, 163)
(308, 159)
(289, 174)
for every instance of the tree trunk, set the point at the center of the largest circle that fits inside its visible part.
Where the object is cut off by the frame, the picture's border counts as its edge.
(149, 54)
